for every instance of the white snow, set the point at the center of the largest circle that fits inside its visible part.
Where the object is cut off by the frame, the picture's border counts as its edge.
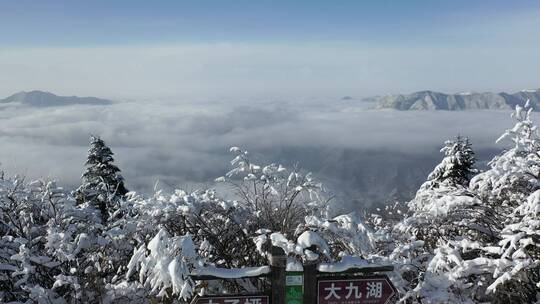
(346, 263)
(232, 273)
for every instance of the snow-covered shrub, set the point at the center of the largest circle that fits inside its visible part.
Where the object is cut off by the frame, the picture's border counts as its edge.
(221, 232)
(167, 264)
(25, 212)
(514, 174)
(279, 197)
(444, 213)
(517, 270)
(51, 248)
(271, 206)
(345, 234)
(453, 276)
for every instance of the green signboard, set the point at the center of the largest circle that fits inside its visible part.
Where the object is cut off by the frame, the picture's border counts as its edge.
(294, 287)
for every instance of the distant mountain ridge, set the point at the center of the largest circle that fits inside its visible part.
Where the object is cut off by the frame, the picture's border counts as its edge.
(46, 99)
(430, 100)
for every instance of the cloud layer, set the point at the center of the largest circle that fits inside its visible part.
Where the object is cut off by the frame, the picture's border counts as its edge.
(362, 154)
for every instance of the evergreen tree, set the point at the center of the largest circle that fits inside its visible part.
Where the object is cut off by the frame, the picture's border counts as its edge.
(457, 167)
(444, 203)
(493, 257)
(102, 184)
(443, 215)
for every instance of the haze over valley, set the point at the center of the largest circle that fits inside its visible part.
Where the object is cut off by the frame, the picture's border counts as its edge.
(366, 156)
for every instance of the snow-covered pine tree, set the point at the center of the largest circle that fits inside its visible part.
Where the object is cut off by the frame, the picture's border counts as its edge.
(444, 207)
(504, 269)
(102, 183)
(444, 200)
(443, 213)
(457, 166)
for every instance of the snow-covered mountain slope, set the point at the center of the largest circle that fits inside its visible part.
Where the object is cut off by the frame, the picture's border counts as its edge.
(430, 100)
(46, 99)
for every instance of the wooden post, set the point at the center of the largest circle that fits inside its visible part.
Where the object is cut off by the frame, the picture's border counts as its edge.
(310, 282)
(278, 263)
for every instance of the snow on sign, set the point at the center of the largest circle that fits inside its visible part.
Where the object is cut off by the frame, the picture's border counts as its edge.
(363, 290)
(233, 299)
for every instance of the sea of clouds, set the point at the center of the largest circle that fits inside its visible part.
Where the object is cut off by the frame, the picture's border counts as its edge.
(364, 156)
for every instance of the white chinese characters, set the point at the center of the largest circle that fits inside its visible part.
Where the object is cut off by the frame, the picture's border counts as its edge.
(354, 291)
(332, 292)
(374, 289)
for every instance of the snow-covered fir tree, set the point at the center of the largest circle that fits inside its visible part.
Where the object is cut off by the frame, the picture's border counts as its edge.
(444, 207)
(443, 212)
(457, 166)
(498, 263)
(102, 183)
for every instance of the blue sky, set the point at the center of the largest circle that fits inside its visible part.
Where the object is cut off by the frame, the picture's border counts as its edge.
(371, 47)
(76, 23)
